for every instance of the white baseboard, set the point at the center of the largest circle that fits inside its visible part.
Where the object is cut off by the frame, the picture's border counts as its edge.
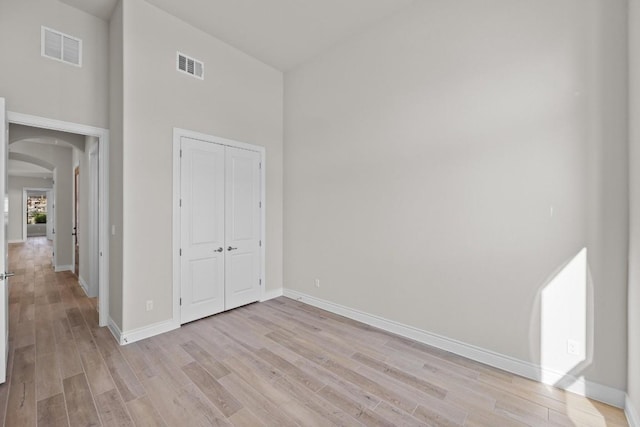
(85, 287)
(523, 368)
(631, 412)
(115, 330)
(592, 390)
(138, 334)
(273, 293)
(16, 241)
(60, 268)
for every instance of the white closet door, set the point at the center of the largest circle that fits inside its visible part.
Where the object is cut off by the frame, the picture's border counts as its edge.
(242, 227)
(202, 229)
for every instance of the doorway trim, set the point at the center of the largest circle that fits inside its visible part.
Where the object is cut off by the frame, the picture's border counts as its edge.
(103, 190)
(178, 134)
(74, 255)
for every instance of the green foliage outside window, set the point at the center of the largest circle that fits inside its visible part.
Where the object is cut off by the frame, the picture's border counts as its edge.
(40, 218)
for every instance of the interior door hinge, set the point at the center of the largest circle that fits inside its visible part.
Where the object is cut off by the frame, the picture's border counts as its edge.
(260, 165)
(260, 243)
(181, 152)
(260, 282)
(180, 251)
(180, 202)
(180, 301)
(260, 204)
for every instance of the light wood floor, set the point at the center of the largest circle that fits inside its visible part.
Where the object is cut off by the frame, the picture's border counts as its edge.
(276, 363)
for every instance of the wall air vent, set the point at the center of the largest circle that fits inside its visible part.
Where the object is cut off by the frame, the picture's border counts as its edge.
(190, 66)
(61, 47)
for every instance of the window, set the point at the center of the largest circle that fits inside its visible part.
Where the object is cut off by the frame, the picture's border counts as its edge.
(36, 209)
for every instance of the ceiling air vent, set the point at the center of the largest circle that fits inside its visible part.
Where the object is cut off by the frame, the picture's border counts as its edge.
(61, 47)
(191, 66)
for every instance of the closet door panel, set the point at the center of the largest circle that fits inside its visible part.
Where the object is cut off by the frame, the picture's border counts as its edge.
(202, 177)
(242, 227)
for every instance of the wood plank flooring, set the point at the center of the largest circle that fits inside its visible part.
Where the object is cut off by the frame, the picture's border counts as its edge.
(278, 363)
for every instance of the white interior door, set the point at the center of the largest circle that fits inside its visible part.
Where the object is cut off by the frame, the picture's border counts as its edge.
(242, 227)
(4, 289)
(202, 229)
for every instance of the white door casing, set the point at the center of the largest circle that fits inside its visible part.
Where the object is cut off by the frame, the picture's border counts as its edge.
(242, 227)
(103, 204)
(202, 229)
(50, 215)
(237, 180)
(94, 222)
(4, 288)
(54, 262)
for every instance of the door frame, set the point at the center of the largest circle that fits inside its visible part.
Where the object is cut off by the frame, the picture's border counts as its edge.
(93, 216)
(76, 214)
(178, 134)
(25, 190)
(51, 215)
(4, 286)
(103, 190)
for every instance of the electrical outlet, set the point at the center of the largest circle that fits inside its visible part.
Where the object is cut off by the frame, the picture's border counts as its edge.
(573, 347)
(317, 283)
(149, 305)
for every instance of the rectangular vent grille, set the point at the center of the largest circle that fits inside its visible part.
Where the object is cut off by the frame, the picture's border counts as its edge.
(61, 47)
(190, 66)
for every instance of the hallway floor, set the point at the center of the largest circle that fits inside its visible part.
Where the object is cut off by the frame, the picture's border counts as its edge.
(46, 309)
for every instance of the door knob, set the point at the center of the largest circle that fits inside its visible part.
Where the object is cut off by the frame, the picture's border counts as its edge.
(4, 276)
(218, 250)
(231, 249)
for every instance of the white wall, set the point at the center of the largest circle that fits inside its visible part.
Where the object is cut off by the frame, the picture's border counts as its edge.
(240, 99)
(44, 87)
(15, 186)
(423, 158)
(633, 382)
(61, 158)
(116, 107)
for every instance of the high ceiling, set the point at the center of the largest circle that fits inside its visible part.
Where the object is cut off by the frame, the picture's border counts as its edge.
(280, 33)
(100, 8)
